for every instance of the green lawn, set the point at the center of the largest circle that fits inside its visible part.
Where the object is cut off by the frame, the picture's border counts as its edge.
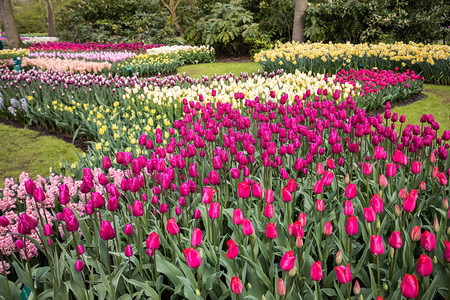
(24, 150)
(437, 103)
(196, 71)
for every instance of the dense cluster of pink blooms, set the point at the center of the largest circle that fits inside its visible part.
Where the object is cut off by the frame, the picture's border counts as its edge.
(92, 46)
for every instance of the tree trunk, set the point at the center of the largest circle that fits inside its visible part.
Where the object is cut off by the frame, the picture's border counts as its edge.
(172, 7)
(43, 14)
(299, 20)
(9, 24)
(50, 18)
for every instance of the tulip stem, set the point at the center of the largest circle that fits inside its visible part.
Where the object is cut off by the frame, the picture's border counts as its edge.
(139, 243)
(326, 250)
(348, 291)
(199, 278)
(319, 296)
(155, 272)
(350, 251)
(367, 181)
(378, 273)
(391, 271)
(235, 268)
(252, 242)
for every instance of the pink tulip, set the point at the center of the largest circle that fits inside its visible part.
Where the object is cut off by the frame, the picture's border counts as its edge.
(236, 285)
(214, 210)
(137, 209)
(350, 191)
(416, 167)
(328, 229)
(409, 287)
(269, 196)
(367, 169)
(238, 217)
(416, 233)
(409, 203)
(208, 193)
(316, 271)
(382, 180)
(48, 230)
(318, 187)
(320, 205)
(271, 231)
(286, 195)
(320, 169)
(257, 190)
(152, 241)
(233, 249)
(128, 251)
(268, 211)
(376, 245)
(351, 226)
(79, 265)
(395, 240)
(424, 266)
(369, 214)
(193, 258)
(64, 196)
(197, 237)
(172, 227)
(287, 261)
(247, 227)
(343, 274)
(428, 241)
(244, 190)
(291, 185)
(281, 287)
(107, 232)
(348, 208)
(377, 203)
(391, 170)
(447, 251)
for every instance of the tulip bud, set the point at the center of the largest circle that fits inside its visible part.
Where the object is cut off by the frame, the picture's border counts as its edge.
(435, 259)
(385, 286)
(79, 265)
(436, 225)
(422, 186)
(398, 212)
(80, 249)
(445, 204)
(356, 288)
(382, 180)
(299, 242)
(391, 252)
(361, 297)
(281, 289)
(338, 257)
(416, 234)
(293, 271)
(197, 291)
(347, 179)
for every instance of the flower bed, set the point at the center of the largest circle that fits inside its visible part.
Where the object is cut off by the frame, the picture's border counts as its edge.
(430, 61)
(103, 56)
(306, 199)
(187, 54)
(91, 46)
(115, 118)
(7, 54)
(79, 66)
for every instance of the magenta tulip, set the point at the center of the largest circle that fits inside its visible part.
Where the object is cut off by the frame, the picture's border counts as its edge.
(376, 245)
(152, 241)
(348, 208)
(107, 232)
(351, 226)
(287, 261)
(343, 274)
(247, 227)
(316, 271)
(236, 285)
(271, 231)
(172, 227)
(424, 266)
(244, 190)
(428, 241)
(409, 287)
(197, 237)
(233, 249)
(395, 240)
(193, 258)
(214, 210)
(286, 195)
(238, 217)
(369, 214)
(350, 191)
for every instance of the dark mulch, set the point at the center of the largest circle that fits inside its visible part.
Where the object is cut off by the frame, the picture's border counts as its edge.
(407, 101)
(80, 142)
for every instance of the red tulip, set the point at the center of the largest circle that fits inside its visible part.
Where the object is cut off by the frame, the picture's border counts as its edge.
(233, 249)
(348, 208)
(271, 231)
(197, 236)
(320, 169)
(424, 266)
(269, 196)
(376, 245)
(369, 214)
(287, 261)
(367, 169)
(214, 210)
(343, 274)
(244, 190)
(107, 232)
(416, 167)
(320, 205)
(238, 217)
(172, 226)
(268, 211)
(316, 271)
(409, 203)
(208, 193)
(351, 227)
(153, 241)
(416, 233)
(409, 287)
(447, 251)
(286, 195)
(236, 285)
(442, 179)
(428, 241)
(247, 227)
(328, 229)
(193, 258)
(350, 191)
(395, 240)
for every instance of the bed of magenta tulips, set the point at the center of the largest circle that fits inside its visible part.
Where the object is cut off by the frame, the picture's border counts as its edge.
(298, 198)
